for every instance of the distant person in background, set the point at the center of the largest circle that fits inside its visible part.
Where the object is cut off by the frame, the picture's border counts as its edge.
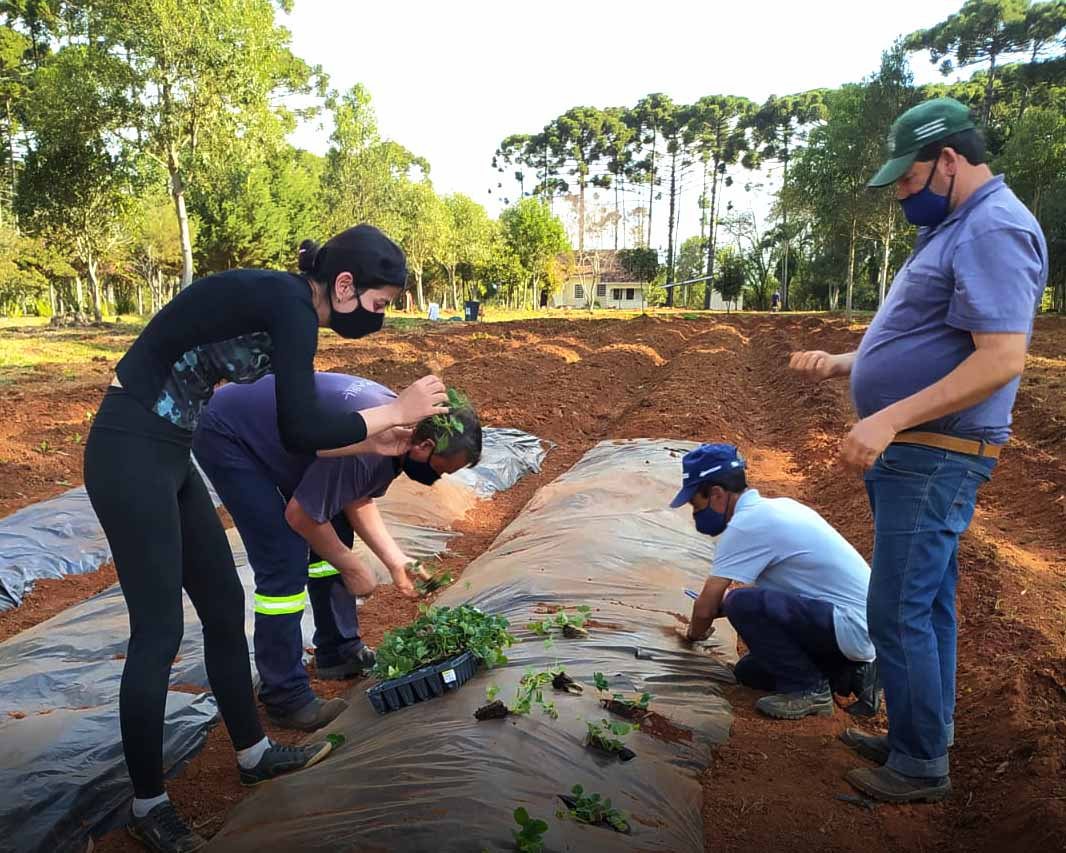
(163, 530)
(775, 302)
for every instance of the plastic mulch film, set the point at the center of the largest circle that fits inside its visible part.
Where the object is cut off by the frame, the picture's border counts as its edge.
(61, 536)
(60, 749)
(430, 777)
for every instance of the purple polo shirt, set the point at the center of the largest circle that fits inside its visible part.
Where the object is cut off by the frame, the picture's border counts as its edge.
(239, 429)
(983, 269)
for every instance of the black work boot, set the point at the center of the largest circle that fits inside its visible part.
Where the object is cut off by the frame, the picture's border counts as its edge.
(279, 759)
(888, 786)
(353, 665)
(162, 830)
(312, 716)
(871, 747)
(796, 706)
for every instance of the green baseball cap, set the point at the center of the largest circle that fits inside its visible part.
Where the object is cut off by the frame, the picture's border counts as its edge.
(915, 129)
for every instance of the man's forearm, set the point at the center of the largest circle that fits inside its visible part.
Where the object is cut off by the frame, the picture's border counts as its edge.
(323, 540)
(978, 377)
(369, 526)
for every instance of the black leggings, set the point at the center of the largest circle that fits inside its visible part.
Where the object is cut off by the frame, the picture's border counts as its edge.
(165, 535)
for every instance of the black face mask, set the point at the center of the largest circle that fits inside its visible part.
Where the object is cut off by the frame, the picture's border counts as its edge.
(357, 323)
(420, 472)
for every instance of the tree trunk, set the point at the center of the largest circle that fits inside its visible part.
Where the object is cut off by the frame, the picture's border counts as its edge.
(140, 300)
(79, 295)
(651, 192)
(177, 190)
(883, 283)
(851, 266)
(95, 285)
(51, 297)
(418, 289)
(988, 89)
(617, 219)
(712, 239)
(670, 232)
(581, 216)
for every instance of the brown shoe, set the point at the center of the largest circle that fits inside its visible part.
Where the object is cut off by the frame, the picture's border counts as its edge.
(871, 747)
(888, 786)
(311, 717)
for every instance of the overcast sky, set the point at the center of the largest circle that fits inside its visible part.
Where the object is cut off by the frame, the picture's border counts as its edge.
(450, 80)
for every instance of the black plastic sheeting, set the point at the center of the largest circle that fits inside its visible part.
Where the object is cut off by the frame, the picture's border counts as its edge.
(61, 765)
(429, 777)
(61, 536)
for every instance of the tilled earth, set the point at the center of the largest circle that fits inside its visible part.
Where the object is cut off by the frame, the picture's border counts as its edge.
(774, 785)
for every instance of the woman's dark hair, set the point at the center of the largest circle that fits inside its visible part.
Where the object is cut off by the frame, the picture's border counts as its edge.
(969, 143)
(372, 258)
(733, 481)
(467, 442)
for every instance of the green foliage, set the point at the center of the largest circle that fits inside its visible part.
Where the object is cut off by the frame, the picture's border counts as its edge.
(641, 263)
(445, 426)
(530, 838)
(439, 633)
(530, 691)
(561, 620)
(606, 734)
(592, 809)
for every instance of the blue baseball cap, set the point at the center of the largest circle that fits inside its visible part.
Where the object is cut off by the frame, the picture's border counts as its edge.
(706, 464)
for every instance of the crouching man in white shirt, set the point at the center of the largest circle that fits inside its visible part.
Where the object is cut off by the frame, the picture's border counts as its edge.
(804, 617)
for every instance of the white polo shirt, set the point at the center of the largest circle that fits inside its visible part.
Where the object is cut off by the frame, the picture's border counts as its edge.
(781, 544)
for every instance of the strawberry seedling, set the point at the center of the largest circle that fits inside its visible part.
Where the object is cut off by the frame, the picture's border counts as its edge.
(449, 425)
(604, 735)
(530, 839)
(592, 809)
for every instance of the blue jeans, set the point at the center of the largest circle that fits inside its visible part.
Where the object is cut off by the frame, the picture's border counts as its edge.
(278, 557)
(922, 499)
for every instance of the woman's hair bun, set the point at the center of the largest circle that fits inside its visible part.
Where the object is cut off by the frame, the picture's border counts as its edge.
(308, 252)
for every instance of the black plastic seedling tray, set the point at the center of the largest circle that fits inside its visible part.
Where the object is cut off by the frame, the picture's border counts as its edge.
(423, 684)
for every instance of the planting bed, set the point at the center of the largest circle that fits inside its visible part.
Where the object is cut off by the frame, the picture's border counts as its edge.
(576, 382)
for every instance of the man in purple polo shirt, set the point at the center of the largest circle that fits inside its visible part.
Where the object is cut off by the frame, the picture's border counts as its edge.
(934, 382)
(283, 503)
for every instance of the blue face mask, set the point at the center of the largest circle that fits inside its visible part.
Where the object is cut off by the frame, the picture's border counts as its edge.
(925, 207)
(420, 472)
(709, 522)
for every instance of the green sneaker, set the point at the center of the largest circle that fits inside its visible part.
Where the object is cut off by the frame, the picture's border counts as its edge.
(888, 786)
(279, 759)
(796, 706)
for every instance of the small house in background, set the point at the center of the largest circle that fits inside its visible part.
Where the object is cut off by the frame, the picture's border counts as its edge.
(597, 276)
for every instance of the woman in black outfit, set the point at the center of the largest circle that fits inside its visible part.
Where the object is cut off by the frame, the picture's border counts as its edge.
(153, 505)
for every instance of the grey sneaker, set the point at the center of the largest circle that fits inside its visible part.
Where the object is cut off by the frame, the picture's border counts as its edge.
(888, 786)
(871, 747)
(358, 663)
(279, 759)
(311, 717)
(162, 830)
(796, 706)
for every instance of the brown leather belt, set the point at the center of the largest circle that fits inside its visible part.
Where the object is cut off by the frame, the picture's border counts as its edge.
(949, 442)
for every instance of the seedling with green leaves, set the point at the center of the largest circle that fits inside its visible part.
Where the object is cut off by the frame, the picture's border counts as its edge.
(530, 839)
(449, 425)
(605, 734)
(592, 809)
(571, 625)
(633, 705)
(531, 690)
(439, 633)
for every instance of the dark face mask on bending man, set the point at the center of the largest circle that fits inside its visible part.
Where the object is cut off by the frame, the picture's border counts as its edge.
(420, 472)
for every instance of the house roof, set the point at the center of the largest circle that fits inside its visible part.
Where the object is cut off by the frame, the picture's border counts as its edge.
(610, 268)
